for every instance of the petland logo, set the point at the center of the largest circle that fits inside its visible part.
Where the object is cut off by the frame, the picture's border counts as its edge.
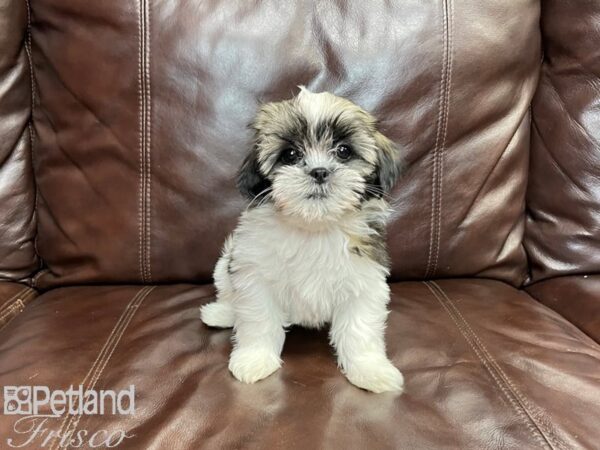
(30, 400)
(38, 405)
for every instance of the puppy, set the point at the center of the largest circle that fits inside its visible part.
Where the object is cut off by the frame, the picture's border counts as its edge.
(310, 248)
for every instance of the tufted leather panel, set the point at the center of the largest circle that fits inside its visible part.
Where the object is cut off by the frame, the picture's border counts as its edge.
(486, 367)
(563, 200)
(17, 192)
(143, 109)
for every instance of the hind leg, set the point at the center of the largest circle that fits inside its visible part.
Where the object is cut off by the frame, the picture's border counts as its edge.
(220, 312)
(217, 315)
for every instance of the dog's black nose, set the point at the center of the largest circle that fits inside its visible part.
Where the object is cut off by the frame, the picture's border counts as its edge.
(319, 174)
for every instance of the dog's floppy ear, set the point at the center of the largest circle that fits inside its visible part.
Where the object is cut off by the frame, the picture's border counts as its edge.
(249, 180)
(389, 166)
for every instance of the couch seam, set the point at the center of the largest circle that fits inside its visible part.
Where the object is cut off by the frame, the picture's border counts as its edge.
(101, 361)
(449, 57)
(531, 409)
(103, 350)
(29, 50)
(20, 300)
(16, 307)
(23, 295)
(440, 139)
(148, 49)
(145, 171)
(435, 150)
(142, 160)
(536, 435)
(140, 151)
(522, 407)
(31, 80)
(117, 339)
(6, 303)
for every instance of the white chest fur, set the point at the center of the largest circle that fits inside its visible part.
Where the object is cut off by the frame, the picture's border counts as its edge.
(309, 273)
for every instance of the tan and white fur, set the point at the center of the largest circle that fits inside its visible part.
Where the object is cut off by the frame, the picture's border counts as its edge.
(310, 248)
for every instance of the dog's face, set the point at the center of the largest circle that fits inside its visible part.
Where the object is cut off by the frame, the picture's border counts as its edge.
(317, 157)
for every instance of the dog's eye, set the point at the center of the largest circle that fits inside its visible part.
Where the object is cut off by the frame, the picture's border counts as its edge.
(290, 156)
(343, 152)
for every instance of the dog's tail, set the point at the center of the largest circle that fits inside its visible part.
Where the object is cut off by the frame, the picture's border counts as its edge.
(217, 314)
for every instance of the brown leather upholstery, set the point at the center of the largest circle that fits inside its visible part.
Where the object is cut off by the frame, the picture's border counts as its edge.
(14, 297)
(139, 114)
(477, 375)
(17, 222)
(563, 221)
(577, 298)
(151, 143)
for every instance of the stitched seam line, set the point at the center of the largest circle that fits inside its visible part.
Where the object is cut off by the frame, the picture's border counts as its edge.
(434, 154)
(104, 363)
(15, 308)
(142, 143)
(140, 151)
(142, 162)
(30, 60)
(69, 423)
(18, 306)
(145, 172)
(101, 355)
(28, 50)
(437, 151)
(449, 59)
(532, 411)
(11, 299)
(148, 141)
(538, 431)
(144, 125)
(22, 299)
(536, 435)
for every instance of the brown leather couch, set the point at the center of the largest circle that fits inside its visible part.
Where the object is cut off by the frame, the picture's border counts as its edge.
(122, 124)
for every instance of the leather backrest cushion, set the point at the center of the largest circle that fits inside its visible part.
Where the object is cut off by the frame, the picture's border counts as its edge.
(563, 221)
(17, 190)
(143, 111)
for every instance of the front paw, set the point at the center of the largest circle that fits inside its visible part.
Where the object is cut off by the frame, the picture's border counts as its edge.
(376, 375)
(252, 365)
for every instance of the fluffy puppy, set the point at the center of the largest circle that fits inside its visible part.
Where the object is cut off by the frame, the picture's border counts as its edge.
(310, 248)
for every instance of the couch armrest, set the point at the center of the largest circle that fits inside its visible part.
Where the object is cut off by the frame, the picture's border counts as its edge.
(577, 298)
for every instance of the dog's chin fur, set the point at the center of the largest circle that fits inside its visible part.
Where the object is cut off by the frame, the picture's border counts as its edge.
(312, 206)
(310, 253)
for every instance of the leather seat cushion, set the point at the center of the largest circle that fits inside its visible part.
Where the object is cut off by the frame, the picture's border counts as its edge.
(486, 366)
